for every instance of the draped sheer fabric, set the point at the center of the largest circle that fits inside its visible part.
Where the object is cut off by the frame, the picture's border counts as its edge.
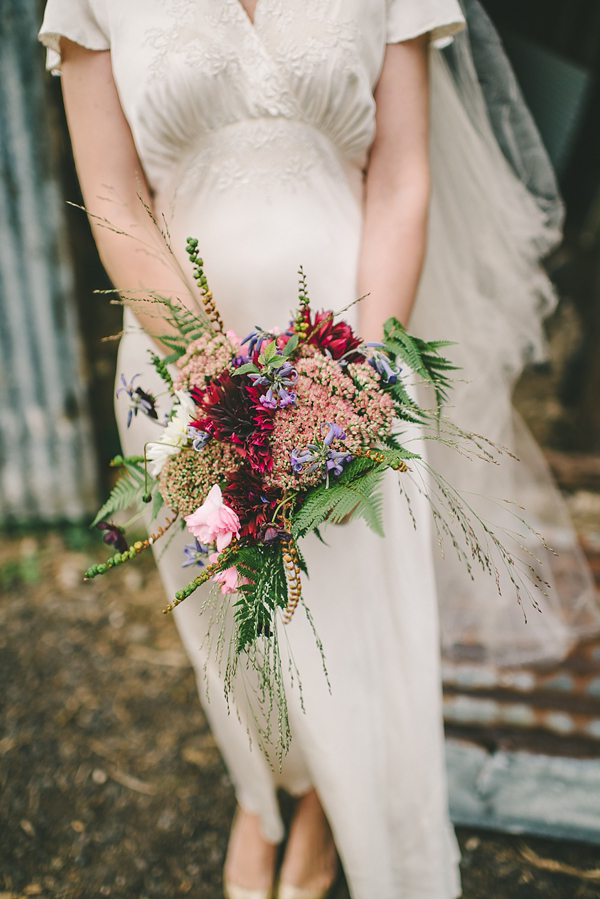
(495, 213)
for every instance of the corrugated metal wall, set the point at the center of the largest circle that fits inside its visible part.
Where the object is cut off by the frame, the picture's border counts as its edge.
(47, 461)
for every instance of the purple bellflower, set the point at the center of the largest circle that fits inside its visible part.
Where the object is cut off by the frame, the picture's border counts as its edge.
(256, 338)
(278, 380)
(193, 553)
(139, 400)
(317, 455)
(199, 438)
(382, 365)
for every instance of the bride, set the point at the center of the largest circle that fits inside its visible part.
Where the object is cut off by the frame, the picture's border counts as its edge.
(287, 132)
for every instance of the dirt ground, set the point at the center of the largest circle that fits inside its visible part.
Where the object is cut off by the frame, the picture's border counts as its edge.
(111, 784)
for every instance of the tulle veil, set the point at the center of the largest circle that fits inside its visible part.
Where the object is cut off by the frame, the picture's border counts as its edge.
(495, 213)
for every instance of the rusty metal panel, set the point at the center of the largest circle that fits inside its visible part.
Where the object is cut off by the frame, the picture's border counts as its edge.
(47, 462)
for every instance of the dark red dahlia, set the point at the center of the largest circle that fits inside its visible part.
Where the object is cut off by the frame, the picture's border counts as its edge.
(230, 410)
(226, 410)
(251, 500)
(337, 338)
(261, 415)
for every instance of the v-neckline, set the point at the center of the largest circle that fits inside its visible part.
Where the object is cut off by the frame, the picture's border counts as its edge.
(251, 19)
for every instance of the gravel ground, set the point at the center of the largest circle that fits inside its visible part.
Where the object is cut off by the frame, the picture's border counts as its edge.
(111, 784)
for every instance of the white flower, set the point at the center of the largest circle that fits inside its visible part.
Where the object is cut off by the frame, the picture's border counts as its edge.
(175, 435)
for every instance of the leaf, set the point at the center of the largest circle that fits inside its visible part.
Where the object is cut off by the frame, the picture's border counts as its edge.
(135, 466)
(357, 494)
(124, 494)
(245, 368)
(157, 504)
(171, 358)
(254, 610)
(269, 351)
(423, 357)
(290, 346)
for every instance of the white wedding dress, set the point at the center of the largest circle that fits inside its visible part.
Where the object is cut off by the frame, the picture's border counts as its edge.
(254, 137)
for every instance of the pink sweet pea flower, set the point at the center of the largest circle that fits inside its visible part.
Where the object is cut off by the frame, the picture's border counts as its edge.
(229, 579)
(214, 522)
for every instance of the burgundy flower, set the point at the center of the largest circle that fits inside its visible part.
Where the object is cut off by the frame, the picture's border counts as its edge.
(337, 338)
(231, 411)
(226, 410)
(114, 536)
(251, 500)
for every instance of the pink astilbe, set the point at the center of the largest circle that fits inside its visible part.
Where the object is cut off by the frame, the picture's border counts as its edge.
(326, 394)
(188, 476)
(205, 359)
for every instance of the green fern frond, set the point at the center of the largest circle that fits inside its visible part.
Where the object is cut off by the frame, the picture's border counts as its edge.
(322, 501)
(255, 608)
(135, 466)
(124, 494)
(422, 356)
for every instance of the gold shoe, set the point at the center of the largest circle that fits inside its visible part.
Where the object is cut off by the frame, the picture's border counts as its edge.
(231, 891)
(287, 891)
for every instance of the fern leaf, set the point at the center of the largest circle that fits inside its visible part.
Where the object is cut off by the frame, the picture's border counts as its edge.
(157, 504)
(124, 494)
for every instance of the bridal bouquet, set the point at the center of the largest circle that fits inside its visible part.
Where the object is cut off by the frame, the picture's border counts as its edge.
(268, 437)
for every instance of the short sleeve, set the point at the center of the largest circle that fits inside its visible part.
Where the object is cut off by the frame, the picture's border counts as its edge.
(76, 20)
(406, 19)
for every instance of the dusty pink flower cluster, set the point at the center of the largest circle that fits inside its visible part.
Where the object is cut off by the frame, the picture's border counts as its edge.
(187, 477)
(326, 394)
(204, 360)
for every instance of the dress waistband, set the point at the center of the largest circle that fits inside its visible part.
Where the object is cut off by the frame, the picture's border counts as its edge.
(256, 151)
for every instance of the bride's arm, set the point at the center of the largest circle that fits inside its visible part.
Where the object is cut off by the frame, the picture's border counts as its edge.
(397, 189)
(112, 180)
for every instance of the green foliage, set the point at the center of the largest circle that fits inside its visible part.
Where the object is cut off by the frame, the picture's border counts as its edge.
(125, 493)
(134, 465)
(425, 360)
(160, 366)
(188, 325)
(354, 496)
(290, 346)
(157, 504)
(351, 494)
(254, 610)
(129, 489)
(244, 369)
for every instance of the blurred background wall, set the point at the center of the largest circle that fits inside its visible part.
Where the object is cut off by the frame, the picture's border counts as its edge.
(55, 363)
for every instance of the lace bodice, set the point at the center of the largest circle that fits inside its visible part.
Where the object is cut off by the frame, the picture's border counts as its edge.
(187, 68)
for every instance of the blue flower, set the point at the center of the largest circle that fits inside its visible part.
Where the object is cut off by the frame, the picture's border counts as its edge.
(258, 379)
(138, 398)
(278, 380)
(193, 553)
(255, 340)
(287, 398)
(200, 438)
(336, 461)
(334, 432)
(306, 456)
(382, 365)
(321, 455)
(268, 399)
